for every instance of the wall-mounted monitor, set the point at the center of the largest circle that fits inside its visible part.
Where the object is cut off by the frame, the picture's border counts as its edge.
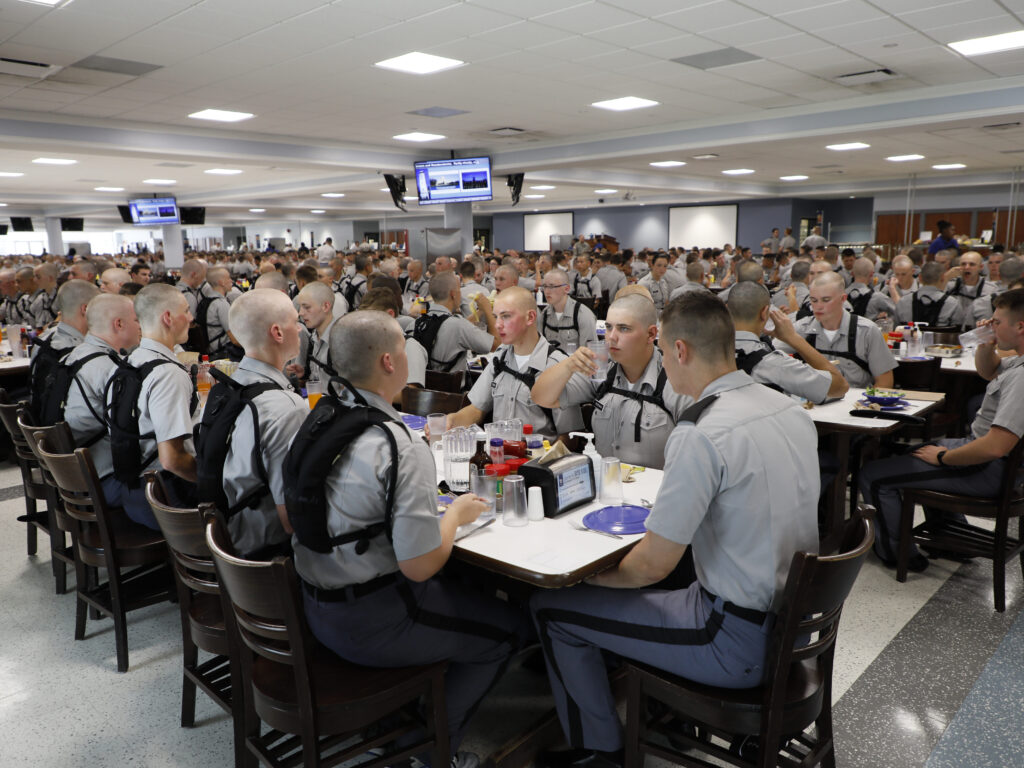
(154, 211)
(3, 229)
(463, 180)
(72, 225)
(125, 211)
(21, 224)
(195, 216)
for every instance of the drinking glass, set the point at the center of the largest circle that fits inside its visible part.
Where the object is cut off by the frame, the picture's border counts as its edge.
(458, 445)
(513, 495)
(611, 481)
(436, 422)
(314, 391)
(600, 350)
(486, 487)
(978, 336)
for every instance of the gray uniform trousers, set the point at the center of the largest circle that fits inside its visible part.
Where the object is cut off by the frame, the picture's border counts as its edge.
(685, 632)
(410, 623)
(881, 481)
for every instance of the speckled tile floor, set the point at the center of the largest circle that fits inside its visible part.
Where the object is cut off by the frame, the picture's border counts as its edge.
(926, 673)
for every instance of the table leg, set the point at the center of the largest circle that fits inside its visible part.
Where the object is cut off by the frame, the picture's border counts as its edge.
(836, 512)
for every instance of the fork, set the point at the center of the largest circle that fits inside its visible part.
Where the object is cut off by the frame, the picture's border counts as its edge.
(580, 527)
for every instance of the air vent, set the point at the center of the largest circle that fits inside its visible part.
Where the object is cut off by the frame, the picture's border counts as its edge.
(707, 156)
(35, 70)
(723, 57)
(506, 131)
(1001, 127)
(117, 66)
(823, 167)
(438, 112)
(869, 76)
(175, 165)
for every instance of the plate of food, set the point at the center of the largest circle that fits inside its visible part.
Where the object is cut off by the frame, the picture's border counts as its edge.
(883, 397)
(897, 406)
(944, 350)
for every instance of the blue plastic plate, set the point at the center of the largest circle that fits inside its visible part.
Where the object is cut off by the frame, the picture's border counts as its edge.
(414, 422)
(898, 406)
(625, 519)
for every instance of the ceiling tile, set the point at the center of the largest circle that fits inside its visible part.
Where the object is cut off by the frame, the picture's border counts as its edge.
(620, 61)
(757, 31)
(524, 34)
(655, 8)
(636, 33)
(684, 45)
(587, 17)
(43, 54)
(965, 30)
(800, 42)
(863, 31)
(720, 13)
(832, 15)
(529, 9)
(575, 49)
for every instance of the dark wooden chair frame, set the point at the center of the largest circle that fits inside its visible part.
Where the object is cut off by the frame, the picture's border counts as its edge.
(321, 710)
(445, 381)
(426, 401)
(135, 557)
(966, 539)
(798, 688)
(202, 616)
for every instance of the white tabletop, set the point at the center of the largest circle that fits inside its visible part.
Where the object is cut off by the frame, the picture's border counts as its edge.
(962, 364)
(838, 413)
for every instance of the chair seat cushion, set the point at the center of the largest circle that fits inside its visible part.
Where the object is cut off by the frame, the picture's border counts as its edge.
(135, 543)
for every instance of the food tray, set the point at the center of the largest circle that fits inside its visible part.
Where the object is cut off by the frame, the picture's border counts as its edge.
(944, 350)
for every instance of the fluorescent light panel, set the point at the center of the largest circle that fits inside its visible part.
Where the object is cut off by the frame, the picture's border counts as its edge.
(533, 197)
(161, 182)
(257, 210)
(668, 163)
(50, 3)
(318, 210)
(794, 177)
(417, 63)
(109, 189)
(605, 191)
(221, 115)
(625, 103)
(738, 171)
(222, 171)
(418, 136)
(332, 194)
(53, 161)
(847, 146)
(904, 158)
(949, 166)
(10, 174)
(543, 186)
(978, 46)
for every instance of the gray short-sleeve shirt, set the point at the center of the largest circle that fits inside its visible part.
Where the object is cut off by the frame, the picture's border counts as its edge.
(356, 492)
(85, 400)
(951, 312)
(456, 337)
(871, 348)
(1003, 405)
(787, 373)
(565, 330)
(741, 488)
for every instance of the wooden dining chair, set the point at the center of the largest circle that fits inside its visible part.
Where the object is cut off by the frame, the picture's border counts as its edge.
(445, 381)
(320, 710)
(426, 401)
(202, 616)
(59, 525)
(924, 375)
(134, 556)
(775, 717)
(993, 543)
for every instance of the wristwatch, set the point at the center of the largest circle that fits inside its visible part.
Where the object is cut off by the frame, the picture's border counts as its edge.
(939, 456)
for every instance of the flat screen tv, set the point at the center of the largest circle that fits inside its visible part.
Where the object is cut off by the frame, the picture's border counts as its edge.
(463, 180)
(154, 211)
(3, 229)
(72, 225)
(21, 224)
(125, 211)
(195, 216)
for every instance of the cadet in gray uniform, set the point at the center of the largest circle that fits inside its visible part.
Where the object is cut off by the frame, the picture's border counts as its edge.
(218, 287)
(164, 403)
(504, 386)
(113, 326)
(1010, 271)
(857, 344)
(316, 309)
(388, 606)
(564, 320)
(739, 459)
(611, 277)
(865, 300)
(584, 282)
(814, 379)
(456, 336)
(72, 300)
(970, 284)
(972, 466)
(267, 329)
(193, 275)
(694, 274)
(655, 282)
(929, 303)
(41, 304)
(634, 408)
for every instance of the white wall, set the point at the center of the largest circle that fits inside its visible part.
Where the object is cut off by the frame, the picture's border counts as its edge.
(706, 226)
(538, 228)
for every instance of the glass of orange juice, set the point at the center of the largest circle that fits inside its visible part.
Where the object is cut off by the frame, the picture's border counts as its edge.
(314, 390)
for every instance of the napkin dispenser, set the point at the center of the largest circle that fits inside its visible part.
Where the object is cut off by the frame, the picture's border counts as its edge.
(566, 483)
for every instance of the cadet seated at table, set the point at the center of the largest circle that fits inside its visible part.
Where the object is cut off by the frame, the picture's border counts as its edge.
(165, 405)
(813, 378)
(855, 342)
(735, 489)
(865, 300)
(504, 386)
(1010, 271)
(930, 304)
(634, 408)
(316, 310)
(448, 338)
(266, 326)
(382, 602)
(564, 320)
(72, 299)
(967, 465)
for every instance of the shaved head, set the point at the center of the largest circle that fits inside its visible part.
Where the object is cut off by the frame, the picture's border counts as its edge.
(520, 298)
(155, 299)
(863, 269)
(274, 280)
(73, 295)
(359, 339)
(638, 307)
(830, 280)
(317, 292)
(252, 314)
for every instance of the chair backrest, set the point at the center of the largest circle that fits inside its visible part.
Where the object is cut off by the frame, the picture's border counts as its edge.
(426, 401)
(9, 413)
(58, 436)
(184, 529)
(1012, 475)
(76, 480)
(265, 603)
(445, 381)
(808, 620)
(918, 374)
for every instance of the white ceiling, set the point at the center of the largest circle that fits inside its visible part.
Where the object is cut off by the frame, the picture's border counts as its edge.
(325, 115)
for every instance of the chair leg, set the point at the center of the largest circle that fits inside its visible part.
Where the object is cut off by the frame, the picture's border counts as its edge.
(439, 720)
(906, 537)
(243, 757)
(32, 544)
(999, 564)
(188, 694)
(634, 708)
(120, 617)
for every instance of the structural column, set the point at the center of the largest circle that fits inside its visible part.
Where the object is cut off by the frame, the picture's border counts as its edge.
(460, 216)
(54, 236)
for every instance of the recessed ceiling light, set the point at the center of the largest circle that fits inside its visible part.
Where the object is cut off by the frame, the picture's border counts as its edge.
(533, 197)
(624, 104)
(44, 2)
(109, 189)
(10, 174)
(332, 194)
(3, 205)
(904, 158)
(222, 171)
(165, 182)
(706, 156)
(976, 46)
(543, 186)
(853, 197)
(668, 163)
(417, 63)
(949, 166)
(605, 191)
(384, 189)
(794, 177)
(257, 210)
(411, 197)
(848, 146)
(738, 171)
(318, 210)
(54, 161)
(418, 136)
(221, 115)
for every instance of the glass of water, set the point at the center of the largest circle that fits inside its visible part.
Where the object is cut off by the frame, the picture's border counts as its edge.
(600, 350)
(458, 445)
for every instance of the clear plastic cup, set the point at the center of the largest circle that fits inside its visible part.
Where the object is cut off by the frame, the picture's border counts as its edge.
(600, 350)
(486, 487)
(977, 337)
(458, 445)
(314, 391)
(611, 481)
(436, 422)
(513, 495)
